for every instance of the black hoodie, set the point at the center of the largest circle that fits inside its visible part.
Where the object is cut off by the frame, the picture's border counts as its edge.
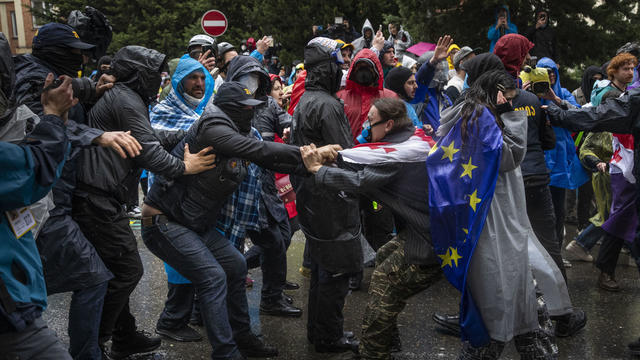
(330, 220)
(125, 108)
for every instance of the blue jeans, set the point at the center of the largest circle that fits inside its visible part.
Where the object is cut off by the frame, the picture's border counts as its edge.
(85, 313)
(590, 236)
(217, 270)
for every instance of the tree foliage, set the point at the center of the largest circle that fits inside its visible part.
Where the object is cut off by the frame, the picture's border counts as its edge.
(588, 31)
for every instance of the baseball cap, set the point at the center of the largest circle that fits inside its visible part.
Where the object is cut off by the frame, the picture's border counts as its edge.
(464, 51)
(234, 92)
(56, 34)
(344, 45)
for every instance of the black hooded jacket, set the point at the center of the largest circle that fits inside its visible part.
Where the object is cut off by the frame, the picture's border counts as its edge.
(329, 219)
(242, 65)
(125, 108)
(544, 40)
(195, 200)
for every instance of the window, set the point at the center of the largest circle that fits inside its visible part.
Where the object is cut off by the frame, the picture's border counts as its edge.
(38, 7)
(14, 25)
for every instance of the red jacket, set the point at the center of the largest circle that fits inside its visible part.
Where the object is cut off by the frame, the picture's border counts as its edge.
(357, 98)
(296, 91)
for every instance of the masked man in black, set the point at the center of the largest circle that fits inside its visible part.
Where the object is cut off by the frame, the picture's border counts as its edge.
(179, 215)
(330, 220)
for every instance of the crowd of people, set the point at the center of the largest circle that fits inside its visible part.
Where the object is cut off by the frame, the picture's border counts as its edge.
(452, 162)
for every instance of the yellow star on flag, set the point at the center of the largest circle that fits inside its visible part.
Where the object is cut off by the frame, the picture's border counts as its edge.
(446, 259)
(433, 149)
(449, 151)
(474, 200)
(468, 169)
(453, 255)
(466, 231)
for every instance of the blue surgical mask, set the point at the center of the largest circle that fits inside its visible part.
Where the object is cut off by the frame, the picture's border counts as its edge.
(465, 85)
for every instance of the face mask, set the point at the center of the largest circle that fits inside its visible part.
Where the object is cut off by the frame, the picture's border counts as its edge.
(250, 81)
(241, 117)
(64, 62)
(365, 77)
(465, 85)
(365, 135)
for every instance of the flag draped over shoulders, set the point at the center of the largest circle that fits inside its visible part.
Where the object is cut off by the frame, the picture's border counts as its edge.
(462, 181)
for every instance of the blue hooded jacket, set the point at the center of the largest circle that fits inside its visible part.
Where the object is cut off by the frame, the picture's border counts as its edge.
(494, 34)
(566, 170)
(186, 66)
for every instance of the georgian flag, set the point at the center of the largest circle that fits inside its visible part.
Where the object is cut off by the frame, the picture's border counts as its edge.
(414, 149)
(622, 158)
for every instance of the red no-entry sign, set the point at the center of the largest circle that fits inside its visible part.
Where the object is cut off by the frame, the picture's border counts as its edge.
(214, 22)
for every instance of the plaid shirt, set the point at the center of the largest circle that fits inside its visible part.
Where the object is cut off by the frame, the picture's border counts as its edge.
(244, 209)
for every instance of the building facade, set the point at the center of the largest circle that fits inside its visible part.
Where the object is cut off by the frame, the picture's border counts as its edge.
(18, 24)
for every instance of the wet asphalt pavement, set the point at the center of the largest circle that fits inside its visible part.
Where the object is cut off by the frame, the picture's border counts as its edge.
(613, 318)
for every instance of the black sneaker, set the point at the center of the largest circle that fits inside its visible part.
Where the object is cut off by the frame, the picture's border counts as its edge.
(570, 324)
(183, 334)
(252, 346)
(634, 347)
(136, 343)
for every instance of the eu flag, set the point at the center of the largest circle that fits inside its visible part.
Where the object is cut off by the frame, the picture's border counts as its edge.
(462, 180)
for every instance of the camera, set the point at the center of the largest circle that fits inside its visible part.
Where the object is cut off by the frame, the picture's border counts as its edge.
(539, 78)
(83, 88)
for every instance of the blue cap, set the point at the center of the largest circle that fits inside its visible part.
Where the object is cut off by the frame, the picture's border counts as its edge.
(56, 34)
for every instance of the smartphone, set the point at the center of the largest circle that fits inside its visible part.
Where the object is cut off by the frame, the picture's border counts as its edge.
(337, 20)
(270, 40)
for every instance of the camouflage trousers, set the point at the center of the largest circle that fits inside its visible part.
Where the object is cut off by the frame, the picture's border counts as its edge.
(393, 282)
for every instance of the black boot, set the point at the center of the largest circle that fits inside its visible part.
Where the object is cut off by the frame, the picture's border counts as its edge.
(289, 285)
(252, 346)
(634, 347)
(570, 324)
(135, 343)
(490, 352)
(341, 345)
(279, 307)
(451, 323)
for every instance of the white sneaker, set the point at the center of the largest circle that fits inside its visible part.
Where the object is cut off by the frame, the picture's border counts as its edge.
(577, 252)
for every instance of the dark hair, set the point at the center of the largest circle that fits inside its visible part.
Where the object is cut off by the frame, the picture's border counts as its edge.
(483, 93)
(393, 108)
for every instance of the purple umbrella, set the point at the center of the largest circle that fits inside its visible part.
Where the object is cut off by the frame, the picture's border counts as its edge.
(421, 48)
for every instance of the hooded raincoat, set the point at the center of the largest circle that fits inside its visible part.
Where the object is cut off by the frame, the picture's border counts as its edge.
(362, 42)
(494, 34)
(125, 107)
(358, 98)
(334, 238)
(563, 162)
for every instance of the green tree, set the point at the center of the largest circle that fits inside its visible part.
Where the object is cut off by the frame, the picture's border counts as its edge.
(588, 31)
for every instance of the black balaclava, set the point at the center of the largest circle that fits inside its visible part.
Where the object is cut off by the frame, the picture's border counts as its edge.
(63, 61)
(588, 81)
(240, 115)
(365, 75)
(395, 81)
